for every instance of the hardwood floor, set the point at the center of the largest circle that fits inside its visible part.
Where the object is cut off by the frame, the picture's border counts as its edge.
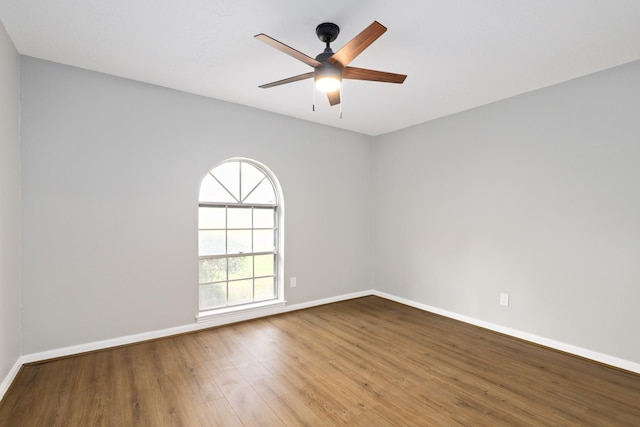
(363, 362)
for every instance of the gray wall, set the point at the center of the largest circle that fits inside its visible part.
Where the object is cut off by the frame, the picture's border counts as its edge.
(537, 196)
(9, 204)
(110, 179)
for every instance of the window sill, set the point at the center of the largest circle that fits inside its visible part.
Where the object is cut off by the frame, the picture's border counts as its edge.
(243, 312)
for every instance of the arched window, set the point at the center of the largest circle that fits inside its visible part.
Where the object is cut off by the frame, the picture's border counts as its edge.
(238, 236)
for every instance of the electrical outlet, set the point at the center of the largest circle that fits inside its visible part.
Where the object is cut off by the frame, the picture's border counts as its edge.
(504, 300)
(293, 282)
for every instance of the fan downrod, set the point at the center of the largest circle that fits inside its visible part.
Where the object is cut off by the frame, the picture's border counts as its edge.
(327, 32)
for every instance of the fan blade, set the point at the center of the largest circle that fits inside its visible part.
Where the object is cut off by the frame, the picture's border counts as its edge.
(288, 50)
(334, 97)
(372, 75)
(359, 43)
(289, 80)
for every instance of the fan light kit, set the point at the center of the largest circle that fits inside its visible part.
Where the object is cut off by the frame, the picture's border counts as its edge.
(328, 79)
(330, 68)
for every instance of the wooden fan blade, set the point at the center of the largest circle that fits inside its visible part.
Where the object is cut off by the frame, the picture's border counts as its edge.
(372, 75)
(289, 80)
(359, 43)
(334, 97)
(288, 50)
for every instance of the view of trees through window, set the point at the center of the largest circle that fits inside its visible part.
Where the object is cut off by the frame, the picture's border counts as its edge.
(237, 236)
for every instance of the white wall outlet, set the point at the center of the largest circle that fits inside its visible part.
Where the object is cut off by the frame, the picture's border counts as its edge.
(293, 282)
(504, 300)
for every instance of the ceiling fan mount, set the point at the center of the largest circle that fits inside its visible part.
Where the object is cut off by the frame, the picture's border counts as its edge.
(327, 32)
(330, 68)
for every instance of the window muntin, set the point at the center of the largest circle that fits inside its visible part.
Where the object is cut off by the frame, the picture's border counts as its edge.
(237, 236)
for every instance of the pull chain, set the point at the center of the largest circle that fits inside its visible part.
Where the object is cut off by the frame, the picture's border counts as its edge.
(313, 106)
(341, 99)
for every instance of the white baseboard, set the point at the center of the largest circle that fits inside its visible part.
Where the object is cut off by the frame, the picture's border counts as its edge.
(268, 311)
(232, 317)
(8, 379)
(557, 345)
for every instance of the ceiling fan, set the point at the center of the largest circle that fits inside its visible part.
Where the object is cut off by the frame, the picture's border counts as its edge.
(330, 68)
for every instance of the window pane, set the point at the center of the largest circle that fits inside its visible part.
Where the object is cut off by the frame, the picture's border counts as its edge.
(213, 270)
(239, 241)
(240, 267)
(239, 218)
(264, 289)
(212, 296)
(263, 194)
(240, 292)
(211, 242)
(263, 218)
(229, 175)
(263, 241)
(211, 218)
(264, 265)
(212, 191)
(251, 177)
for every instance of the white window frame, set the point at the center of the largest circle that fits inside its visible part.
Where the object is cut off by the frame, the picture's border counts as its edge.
(210, 314)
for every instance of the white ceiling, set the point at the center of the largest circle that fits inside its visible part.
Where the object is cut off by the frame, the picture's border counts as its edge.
(458, 54)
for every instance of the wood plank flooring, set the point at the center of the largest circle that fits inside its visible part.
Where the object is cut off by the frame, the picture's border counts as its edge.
(363, 362)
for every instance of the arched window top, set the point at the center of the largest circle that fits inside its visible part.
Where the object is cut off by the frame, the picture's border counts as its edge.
(238, 182)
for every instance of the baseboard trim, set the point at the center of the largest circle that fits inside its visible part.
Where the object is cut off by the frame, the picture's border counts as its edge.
(536, 339)
(11, 375)
(229, 318)
(269, 311)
